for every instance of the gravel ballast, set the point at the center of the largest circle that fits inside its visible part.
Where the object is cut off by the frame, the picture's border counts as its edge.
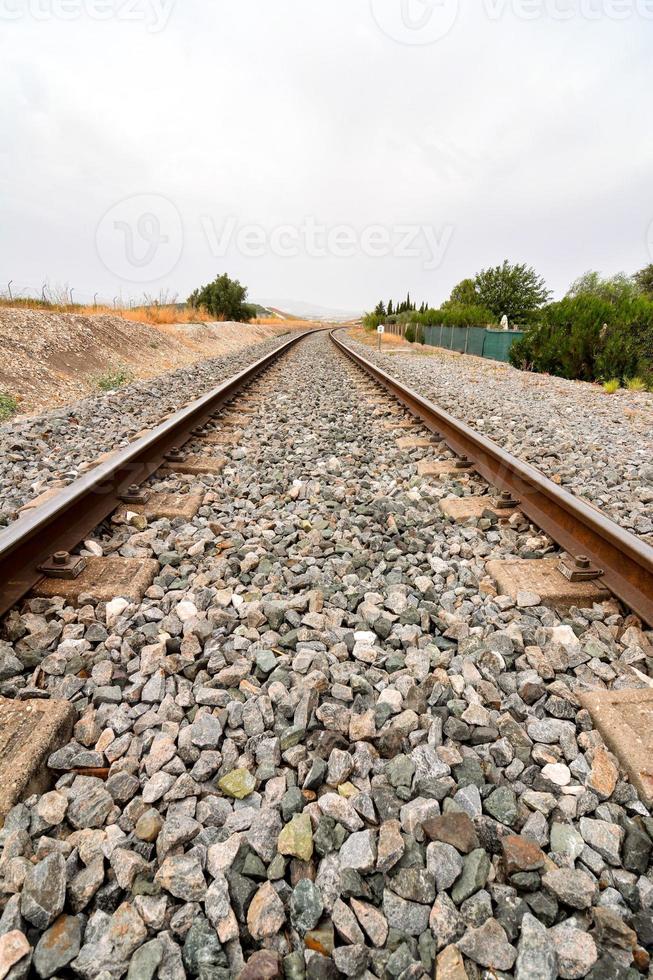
(327, 748)
(595, 445)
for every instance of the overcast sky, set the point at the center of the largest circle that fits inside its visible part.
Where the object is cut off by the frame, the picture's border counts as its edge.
(333, 152)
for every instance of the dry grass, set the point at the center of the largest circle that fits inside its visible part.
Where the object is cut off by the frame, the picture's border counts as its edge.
(390, 343)
(165, 315)
(152, 314)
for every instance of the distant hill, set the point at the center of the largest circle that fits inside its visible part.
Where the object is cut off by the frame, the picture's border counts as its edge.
(309, 311)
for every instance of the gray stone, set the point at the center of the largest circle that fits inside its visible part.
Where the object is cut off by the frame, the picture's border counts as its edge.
(146, 961)
(206, 732)
(182, 876)
(536, 955)
(488, 946)
(90, 803)
(413, 884)
(306, 906)
(476, 868)
(575, 949)
(574, 888)
(408, 917)
(263, 833)
(566, 840)
(604, 837)
(359, 851)
(58, 946)
(44, 891)
(445, 862)
(502, 805)
(351, 961)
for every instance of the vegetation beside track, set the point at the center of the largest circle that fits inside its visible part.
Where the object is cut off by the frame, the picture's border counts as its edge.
(602, 330)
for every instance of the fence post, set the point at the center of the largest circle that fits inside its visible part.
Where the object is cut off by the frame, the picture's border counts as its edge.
(466, 338)
(440, 340)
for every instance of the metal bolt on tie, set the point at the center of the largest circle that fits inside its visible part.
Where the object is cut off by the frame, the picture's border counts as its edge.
(63, 565)
(505, 501)
(578, 568)
(175, 455)
(135, 495)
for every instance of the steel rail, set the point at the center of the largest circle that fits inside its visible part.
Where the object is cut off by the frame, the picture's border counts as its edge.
(578, 527)
(61, 523)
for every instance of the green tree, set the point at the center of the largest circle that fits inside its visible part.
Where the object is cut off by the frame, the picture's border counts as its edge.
(379, 309)
(613, 289)
(464, 294)
(644, 280)
(514, 290)
(223, 298)
(390, 308)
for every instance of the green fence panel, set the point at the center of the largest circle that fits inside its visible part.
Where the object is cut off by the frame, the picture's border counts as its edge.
(458, 339)
(476, 340)
(494, 344)
(498, 343)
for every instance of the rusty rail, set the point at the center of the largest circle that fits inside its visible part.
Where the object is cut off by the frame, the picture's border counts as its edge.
(578, 527)
(61, 523)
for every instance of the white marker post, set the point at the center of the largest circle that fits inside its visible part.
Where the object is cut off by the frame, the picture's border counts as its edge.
(380, 330)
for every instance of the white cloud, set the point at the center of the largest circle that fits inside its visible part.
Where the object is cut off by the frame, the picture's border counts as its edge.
(528, 138)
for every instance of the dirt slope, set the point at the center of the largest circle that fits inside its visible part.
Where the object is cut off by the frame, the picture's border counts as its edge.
(50, 359)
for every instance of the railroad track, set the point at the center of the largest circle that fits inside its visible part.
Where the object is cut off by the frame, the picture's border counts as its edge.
(615, 557)
(58, 525)
(305, 714)
(609, 554)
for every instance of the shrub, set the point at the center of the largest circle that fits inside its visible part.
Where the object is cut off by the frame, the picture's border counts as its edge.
(410, 333)
(372, 320)
(610, 387)
(590, 337)
(223, 298)
(636, 384)
(113, 379)
(8, 405)
(456, 315)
